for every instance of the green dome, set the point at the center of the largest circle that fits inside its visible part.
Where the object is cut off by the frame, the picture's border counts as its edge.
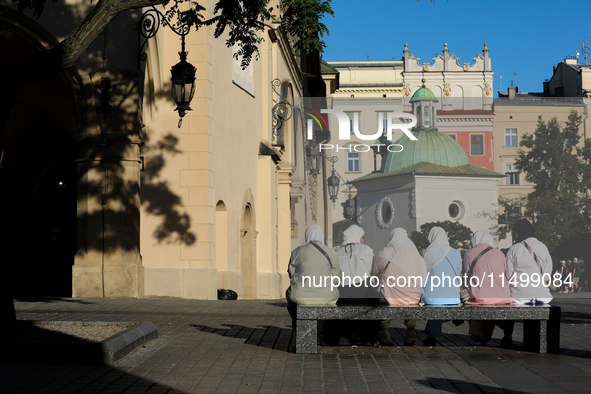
(431, 147)
(423, 94)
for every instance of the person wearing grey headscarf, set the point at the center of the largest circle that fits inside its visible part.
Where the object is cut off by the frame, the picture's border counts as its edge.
(441, 261)
(311, 267)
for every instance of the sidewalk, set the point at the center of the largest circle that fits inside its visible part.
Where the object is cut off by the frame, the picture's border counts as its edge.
(247, 347)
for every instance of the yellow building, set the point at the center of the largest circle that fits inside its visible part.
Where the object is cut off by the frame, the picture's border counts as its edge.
(517, 114)
(156, 209)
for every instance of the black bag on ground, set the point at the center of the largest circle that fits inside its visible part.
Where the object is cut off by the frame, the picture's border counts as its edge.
(225, 294)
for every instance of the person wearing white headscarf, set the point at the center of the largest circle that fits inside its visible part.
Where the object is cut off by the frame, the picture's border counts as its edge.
(442, 261)
(402, 272)
(355, 258)
(484, 261)
(530, 258)
(308, 267)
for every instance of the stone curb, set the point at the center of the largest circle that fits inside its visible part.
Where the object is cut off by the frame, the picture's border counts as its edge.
(119, 345)
(108, 351)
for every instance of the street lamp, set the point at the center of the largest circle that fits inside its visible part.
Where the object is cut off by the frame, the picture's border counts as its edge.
(183, 82)
(333, 186)
(314, 158)
(350, 207)
(182, 73)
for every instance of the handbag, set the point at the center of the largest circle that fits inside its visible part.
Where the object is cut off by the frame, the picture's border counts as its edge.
(464, 293)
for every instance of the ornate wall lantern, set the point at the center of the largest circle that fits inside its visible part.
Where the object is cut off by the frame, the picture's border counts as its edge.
(314, 158)
(182, 73)
(183, 82)
(350, 207)
(333, 186)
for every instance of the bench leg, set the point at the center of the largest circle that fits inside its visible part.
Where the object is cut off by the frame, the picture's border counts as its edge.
(554, 332)
(306, 336)
(535, 335)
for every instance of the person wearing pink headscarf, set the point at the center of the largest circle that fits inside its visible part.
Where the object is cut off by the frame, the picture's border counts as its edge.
(402, 272)
(483, 261)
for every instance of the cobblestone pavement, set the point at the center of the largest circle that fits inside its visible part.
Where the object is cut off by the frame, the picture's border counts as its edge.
(247, 347)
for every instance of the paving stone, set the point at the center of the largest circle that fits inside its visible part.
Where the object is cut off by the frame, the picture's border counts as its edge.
(240, 346)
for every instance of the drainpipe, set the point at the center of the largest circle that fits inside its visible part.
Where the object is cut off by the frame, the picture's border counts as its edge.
(325, 202)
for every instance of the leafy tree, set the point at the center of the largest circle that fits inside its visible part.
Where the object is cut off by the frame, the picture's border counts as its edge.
(458, 235)
(512, 212)
(560, 204)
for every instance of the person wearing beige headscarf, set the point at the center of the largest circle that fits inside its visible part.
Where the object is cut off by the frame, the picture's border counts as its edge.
(402, 272)
(309, 265)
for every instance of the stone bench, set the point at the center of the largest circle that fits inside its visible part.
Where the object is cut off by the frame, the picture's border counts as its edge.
(541, 328)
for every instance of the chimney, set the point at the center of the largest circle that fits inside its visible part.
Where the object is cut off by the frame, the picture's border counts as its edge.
(546, 87)
(511, 92)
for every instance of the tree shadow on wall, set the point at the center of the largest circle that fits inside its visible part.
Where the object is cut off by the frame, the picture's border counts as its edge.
(71, 169)
(159, 200)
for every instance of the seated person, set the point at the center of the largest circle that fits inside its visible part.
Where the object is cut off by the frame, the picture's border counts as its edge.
(395, 265)
(483, 261)
(308, 263)
(355, 259)
(442, 261)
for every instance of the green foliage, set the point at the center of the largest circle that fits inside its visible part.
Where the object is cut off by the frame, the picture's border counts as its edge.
(302, 20)
(512, 212)
(244, 20)
(458, 235)
(559, 206)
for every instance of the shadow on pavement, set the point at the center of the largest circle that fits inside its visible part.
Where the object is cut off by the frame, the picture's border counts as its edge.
(455, 386)
(45, 361)
(48, 300)
(264, 336)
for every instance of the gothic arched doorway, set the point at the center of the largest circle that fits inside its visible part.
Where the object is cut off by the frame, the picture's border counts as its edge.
(38, 176)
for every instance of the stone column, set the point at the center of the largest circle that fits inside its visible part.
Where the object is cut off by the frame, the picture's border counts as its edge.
(108, 261)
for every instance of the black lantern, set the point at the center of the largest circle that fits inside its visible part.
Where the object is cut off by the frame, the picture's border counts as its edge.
(333, 186)
(183, 83)
(314, 158)
(350, 208)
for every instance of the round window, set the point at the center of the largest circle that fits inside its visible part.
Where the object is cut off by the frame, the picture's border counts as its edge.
(455, 210)
(385, 212)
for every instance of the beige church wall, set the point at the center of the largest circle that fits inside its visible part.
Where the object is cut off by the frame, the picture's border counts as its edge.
(182, 263)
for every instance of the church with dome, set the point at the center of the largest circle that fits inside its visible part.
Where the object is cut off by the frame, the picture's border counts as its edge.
(425, 180)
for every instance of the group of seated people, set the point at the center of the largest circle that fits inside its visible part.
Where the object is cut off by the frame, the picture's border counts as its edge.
(400, 275)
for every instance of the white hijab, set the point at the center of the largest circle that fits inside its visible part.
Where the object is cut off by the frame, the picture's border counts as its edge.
(314, 234)
(352, 235)
(438, 247)
(403, 253)
(482, 237)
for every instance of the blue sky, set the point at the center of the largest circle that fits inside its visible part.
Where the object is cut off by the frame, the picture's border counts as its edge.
(523, 36)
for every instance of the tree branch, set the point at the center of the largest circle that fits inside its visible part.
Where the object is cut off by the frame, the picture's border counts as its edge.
(45, 64)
